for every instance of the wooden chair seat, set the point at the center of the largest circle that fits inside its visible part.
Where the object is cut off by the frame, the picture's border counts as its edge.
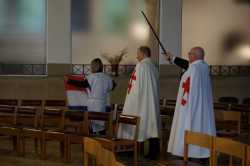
(10, 131)
(53, 135)
(177, 163)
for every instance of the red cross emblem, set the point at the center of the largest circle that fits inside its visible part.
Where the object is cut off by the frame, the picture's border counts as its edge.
(186, 88)
(130, 84)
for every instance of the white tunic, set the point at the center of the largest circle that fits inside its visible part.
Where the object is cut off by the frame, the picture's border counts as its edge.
(101, 84)
(143, 100)
(194, 110)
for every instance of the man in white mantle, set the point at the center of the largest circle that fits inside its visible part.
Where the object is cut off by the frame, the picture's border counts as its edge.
(194, 105)
(143, 100)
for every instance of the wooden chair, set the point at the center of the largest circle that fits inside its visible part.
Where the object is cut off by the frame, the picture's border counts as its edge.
(8, 125)
(228, 123)
(248, 156)
(229, 100)
(245, 113)
(229, 147)
(163, 101)
(10, 102)
(107, 118)
(171, 102)
(222, 106)
(52, 124)
(192, 138)
(116, 143)
(55, 104)
(103, 157)
(28, 122)
(166, 122)
(75, 129)
(33, 103)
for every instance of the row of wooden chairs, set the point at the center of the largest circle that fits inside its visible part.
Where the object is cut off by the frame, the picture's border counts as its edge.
(216, 145)
(32, 102)
(55, 124)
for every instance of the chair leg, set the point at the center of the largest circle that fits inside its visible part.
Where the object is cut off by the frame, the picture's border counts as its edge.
(68, 150)
(135, 154)
(65, 149)
(42, 149)
(36, 145)
(14, 139)
(62, 148)
(83, 152)
(18, 145)
(23, 146)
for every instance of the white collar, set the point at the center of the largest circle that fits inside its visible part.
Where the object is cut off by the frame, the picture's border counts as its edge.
(197, 61)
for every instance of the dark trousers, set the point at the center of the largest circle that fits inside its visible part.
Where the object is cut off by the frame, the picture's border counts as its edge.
(154, 148)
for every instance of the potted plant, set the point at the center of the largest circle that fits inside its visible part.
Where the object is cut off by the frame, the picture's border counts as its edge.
(115, 60)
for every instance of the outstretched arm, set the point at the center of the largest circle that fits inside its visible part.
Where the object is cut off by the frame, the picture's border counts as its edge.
(182, 63)
(78, 83)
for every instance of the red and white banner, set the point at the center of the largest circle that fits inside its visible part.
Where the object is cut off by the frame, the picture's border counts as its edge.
(76, 97)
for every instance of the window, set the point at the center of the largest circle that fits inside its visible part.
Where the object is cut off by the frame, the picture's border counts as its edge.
(22, 37)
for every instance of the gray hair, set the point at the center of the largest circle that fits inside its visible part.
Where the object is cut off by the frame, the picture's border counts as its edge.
(199, 51)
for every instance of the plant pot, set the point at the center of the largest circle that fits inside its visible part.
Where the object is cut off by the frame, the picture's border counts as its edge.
(115, 69)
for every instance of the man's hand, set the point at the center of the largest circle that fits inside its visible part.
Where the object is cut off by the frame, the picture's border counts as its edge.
(169, 56)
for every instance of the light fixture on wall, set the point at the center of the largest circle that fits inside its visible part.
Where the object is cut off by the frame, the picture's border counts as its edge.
(140, 31)
(244, 51)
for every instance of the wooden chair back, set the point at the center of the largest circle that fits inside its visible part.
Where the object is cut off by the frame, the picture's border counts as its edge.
(240, 108)
(198, 139)
(102, 156)
(76, 120)
(34, 103)
(38, 104)
(248, 156)
(106, 158)
(163, 101)
(229, 147)
(55, 103)
(228, 121)
(12, 102)
(171, 102)
(128, 120)
(7, 115)
(106, 117)
(27, 117)
(52, 118)
(91, 149)
(229, 100)
(221, 106)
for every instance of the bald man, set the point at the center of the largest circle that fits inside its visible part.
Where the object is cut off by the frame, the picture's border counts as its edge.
(194, 104)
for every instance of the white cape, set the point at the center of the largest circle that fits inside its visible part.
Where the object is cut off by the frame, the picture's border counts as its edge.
(194, 110)
(143, 100)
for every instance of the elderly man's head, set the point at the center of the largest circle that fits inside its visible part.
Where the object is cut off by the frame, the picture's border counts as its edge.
(196, 53)
(143, 52)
